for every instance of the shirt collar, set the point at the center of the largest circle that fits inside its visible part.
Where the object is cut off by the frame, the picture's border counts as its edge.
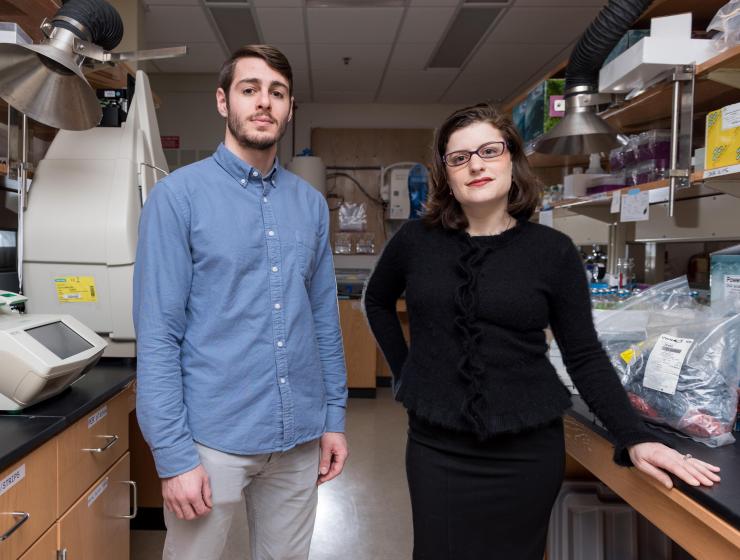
(241, 170)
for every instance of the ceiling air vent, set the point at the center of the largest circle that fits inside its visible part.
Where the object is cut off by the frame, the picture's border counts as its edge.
(235, 23)
(468, 28)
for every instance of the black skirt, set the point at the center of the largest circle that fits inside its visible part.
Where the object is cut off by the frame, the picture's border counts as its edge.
(482, 500)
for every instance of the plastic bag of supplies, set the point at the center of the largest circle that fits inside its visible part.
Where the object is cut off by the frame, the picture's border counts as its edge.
(679, 363)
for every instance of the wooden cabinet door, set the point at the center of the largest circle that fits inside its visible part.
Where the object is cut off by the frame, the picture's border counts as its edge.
(359, 345)
(96, 526)
(45, 548)
(27, 500)
(91, 445)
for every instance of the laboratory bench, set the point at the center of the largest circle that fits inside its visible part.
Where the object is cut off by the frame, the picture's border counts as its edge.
(705, 521)
(65, 471)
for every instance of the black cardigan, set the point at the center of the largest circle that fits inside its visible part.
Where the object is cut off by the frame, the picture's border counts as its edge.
(478, 308)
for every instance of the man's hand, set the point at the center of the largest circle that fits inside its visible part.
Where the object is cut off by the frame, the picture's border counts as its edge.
(656, 459)
(188, 495)
(334, 454)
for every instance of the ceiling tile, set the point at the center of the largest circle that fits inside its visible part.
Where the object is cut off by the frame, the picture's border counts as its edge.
(353, 25)
(425, 25)
(278, 3)
(322, 96)
(473, 87)
(511, 60)
(411, 56)
(295, 53)
(562, 3)
(434, 82)
(324, 56)
(177, 24)
(415, 97)
(281, 25)
(346, 80)
(301, 81)
(302, 96)
(201, 57)
(434, 2)
(547, 25)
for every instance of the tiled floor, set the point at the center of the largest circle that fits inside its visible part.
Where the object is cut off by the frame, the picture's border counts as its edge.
(362, 515)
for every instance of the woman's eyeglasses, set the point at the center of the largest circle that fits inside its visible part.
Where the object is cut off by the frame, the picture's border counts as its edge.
(489, 150)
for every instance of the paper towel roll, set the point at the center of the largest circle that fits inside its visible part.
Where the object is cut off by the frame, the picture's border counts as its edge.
(312, 169)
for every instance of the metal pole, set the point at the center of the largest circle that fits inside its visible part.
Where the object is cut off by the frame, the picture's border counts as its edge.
(675, 123)
(22, 197)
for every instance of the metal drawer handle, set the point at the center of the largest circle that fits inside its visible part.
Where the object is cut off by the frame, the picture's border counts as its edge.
(22, 518)
(113, 440)
(132, 484)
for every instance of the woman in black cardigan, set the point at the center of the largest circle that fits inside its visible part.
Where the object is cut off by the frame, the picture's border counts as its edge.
(485, 452)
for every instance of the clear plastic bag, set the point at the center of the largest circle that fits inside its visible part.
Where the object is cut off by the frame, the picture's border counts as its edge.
(342, 243)
(353, 216)
(679, 363)
(727, 22)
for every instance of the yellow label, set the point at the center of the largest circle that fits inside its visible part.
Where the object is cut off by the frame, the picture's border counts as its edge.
(76, 289)
(628, 356)
(722, 139)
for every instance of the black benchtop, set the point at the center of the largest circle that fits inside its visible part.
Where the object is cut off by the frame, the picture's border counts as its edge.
(23, 431)
(722, 499)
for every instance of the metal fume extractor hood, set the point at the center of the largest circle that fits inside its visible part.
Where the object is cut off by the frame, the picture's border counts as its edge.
(582, 131)
(45, 80)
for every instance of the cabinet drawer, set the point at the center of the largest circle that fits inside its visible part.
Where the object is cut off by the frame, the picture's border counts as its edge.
(91, 445)
(95, 526)
(45, 548)
(28, 491)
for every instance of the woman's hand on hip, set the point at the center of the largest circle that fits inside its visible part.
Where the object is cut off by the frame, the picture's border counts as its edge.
(656, 460)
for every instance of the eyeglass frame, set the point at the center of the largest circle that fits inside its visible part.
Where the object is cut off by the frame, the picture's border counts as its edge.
(476, 151)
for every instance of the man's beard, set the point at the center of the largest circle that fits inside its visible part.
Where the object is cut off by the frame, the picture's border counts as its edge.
(236, 127)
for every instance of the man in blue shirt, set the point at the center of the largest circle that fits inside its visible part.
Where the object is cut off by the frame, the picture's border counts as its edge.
(241, 376)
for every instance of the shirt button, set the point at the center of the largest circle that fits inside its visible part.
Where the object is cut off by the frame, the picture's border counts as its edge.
(280, 344)
(254, 174)
(271, 233)
(264, 199)
(274, 269)
(282, 380)
(243, 181)
(277, 306)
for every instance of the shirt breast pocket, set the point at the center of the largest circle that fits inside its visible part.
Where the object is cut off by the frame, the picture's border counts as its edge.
(307, 244)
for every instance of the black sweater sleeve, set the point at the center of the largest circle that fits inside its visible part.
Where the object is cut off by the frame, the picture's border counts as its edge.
(585, 359)
(385, 285)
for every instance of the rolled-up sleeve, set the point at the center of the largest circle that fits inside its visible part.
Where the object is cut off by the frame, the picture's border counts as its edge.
(323, 297)
(162, 280)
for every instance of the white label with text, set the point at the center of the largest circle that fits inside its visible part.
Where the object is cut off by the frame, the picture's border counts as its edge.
(12, 479)
(97, 417)
(95, 494)
(664, 365)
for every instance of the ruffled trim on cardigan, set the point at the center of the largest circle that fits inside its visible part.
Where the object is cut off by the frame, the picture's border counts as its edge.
(470, 368)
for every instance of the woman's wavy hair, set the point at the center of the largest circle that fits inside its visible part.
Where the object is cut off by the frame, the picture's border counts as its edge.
(443, 209)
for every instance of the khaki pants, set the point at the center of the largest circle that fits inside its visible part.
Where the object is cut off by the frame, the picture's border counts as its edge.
(281, 496)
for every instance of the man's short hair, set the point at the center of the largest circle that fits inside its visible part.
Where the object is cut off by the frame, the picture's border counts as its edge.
(272, 57)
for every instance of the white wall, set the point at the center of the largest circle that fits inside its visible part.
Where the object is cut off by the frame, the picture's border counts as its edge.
(188, 109)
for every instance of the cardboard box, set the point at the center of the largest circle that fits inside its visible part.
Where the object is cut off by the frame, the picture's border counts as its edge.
(723, 141)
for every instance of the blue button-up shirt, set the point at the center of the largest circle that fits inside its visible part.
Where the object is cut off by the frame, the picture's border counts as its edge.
(235, 308)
